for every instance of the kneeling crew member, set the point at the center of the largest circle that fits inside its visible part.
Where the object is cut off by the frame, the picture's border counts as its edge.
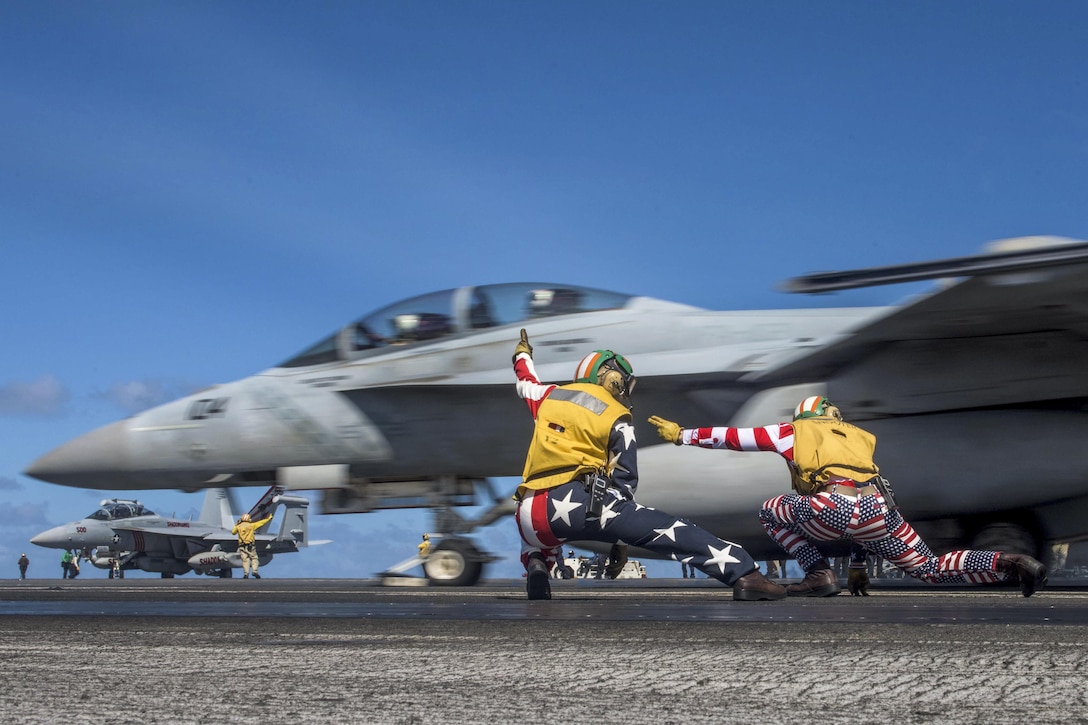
(840, 495)
(581, 474)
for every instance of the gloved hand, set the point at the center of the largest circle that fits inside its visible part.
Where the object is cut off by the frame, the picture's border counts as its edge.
(667, 429)
(617, 559)
(523, 345)
(857, 581)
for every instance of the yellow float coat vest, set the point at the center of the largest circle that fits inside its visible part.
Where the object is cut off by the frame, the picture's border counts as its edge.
(571, 435)
(825, 448)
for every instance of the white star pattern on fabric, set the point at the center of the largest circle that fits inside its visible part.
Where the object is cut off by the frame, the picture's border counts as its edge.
(612, 464)
(628, 433)
(607, 513)
(563, 508)
(669, 532)
(721, 557)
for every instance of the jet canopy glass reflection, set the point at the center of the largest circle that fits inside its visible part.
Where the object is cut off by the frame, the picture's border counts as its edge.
(115, 509)
(455, 312)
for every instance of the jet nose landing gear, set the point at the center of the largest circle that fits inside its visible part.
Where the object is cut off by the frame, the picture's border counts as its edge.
(455, 562)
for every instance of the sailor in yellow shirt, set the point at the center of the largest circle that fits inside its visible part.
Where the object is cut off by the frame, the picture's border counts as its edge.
(247, 543)
(580, 477)
(841, 495)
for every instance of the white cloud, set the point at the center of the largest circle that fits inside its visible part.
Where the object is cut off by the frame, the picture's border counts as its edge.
(44, 396)
(139, 395)
(26, 515)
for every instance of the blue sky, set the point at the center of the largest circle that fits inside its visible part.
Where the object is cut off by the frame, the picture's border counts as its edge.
(192, 192)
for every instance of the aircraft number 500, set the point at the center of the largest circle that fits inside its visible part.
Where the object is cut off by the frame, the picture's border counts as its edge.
(208, 408)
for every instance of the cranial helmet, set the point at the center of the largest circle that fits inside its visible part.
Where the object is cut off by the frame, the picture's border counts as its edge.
(816, 406)
(609, 370)
(245, 517)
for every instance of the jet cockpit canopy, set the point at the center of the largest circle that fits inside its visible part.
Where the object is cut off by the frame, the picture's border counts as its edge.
(455, 312)
(113, 509)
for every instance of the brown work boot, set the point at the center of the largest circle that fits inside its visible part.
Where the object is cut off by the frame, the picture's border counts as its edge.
(538, 583)
(1030, 572)
(817, 583)
(753, 587)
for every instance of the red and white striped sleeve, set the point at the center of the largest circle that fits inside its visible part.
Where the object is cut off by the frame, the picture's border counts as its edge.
(777, 438)
(529, 387)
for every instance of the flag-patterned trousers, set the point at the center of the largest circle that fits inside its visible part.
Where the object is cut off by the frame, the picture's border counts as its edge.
(796, 521)
(548, 518)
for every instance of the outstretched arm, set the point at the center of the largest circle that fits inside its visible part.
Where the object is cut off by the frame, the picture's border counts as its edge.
(777, 437)
(529, 386)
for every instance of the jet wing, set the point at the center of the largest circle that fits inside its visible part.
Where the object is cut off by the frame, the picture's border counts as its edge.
(1013, 334)
(228, 538)
(1029, 253)
(228, 542)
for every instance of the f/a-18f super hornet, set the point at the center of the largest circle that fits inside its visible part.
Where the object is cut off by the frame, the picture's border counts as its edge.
(976, 390)
(124, 534)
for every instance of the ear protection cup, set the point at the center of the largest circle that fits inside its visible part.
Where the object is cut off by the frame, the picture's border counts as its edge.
(611, 380)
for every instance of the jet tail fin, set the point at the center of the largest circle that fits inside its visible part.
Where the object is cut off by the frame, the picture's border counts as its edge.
(218, 508)
(294, 525)
(265, 505)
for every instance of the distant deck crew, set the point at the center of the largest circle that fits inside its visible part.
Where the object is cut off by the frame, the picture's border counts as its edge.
(247, 543)
(581, 474)
(69, 567)
(840, 495)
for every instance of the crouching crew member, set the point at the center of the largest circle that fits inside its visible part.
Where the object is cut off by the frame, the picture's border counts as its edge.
(841, 495)
(581, 474)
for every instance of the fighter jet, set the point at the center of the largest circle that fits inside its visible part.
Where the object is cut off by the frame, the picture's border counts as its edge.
(976, 390)
(124, 534)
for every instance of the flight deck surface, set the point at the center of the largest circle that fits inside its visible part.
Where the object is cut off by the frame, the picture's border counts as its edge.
(310, 651)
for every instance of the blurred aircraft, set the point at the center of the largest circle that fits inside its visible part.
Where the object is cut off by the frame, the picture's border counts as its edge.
(126, 534)
(976, 390)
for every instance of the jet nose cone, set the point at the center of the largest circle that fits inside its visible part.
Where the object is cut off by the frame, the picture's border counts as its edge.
(57, 536)
(94, 460)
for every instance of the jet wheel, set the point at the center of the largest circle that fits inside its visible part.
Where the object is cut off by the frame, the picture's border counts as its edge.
(454, 563)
